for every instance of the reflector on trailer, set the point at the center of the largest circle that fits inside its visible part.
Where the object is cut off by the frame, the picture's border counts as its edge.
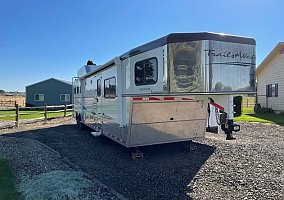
(137, 98)
(153, 98)
(169, 98)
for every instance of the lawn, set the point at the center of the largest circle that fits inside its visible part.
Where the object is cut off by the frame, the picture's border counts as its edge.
(248, 115)
(7, 182)
(4, 115)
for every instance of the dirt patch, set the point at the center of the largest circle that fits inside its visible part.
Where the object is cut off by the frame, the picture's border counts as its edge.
(25, 125)
(21, 101)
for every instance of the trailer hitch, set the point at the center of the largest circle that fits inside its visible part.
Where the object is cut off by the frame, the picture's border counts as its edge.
(228, 126)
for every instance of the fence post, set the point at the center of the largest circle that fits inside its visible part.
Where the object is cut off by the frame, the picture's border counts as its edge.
(65, 110)
(45, 112)
(17, 114)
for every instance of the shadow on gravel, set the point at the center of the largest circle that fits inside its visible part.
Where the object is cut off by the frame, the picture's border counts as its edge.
(163, 173)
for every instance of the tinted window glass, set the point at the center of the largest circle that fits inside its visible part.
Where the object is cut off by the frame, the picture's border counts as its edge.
(146, 72)
(110, 88)
(99, 90)
(272, 90)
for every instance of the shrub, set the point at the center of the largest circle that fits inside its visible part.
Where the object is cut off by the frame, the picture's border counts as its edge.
(256, 108)
(264, 110)
(282, 113)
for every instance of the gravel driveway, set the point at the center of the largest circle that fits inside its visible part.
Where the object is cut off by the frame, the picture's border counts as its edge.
(251, 167)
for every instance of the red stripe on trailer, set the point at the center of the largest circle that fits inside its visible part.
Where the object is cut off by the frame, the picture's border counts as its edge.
(186, 98)
(137, 98)
(153, 98)
(169, 98)
(217, 106)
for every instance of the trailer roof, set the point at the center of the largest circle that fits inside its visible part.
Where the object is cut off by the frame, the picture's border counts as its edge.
(186, 37)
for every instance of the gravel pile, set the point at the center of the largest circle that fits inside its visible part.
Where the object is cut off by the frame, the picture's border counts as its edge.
(250, 167)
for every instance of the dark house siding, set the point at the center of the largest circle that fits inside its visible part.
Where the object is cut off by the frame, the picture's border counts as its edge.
(51, 89)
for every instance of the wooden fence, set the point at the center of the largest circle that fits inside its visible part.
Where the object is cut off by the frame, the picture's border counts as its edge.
(8, 103)
(248, 102)
(41, 110)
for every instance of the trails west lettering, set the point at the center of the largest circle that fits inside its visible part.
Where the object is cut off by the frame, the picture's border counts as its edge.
(229, 54)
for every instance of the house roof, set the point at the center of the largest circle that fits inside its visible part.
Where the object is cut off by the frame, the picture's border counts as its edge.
(279, 48)
(63, 81)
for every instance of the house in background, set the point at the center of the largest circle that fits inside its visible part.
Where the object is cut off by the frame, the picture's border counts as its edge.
(49, 92)
(270, 80)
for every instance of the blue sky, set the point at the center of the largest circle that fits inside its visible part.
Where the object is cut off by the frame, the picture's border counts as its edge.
(43, 39)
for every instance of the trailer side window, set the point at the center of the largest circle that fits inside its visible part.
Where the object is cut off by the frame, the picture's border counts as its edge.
(146, 72)
(110, 88)
(99, 90)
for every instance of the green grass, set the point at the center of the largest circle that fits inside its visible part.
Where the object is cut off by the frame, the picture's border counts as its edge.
(7, 182)
(248, 115)
(31, 114)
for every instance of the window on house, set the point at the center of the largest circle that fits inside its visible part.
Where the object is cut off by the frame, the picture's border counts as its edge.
(74, 90)
(110, 88)
(272, 90)
(39, 97)
(99, 90)
(64, 97)
(146, 72)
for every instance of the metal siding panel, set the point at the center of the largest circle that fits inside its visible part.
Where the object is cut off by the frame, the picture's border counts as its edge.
(158, 133)
(163, 122)
(165, 111)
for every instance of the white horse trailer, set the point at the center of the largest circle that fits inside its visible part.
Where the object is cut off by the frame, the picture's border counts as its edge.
(158, 92)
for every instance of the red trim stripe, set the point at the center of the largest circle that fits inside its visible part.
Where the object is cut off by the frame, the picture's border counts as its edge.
(186, 98)
(217, 106)
(153, 98)
(137, 98)
(169, 98)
